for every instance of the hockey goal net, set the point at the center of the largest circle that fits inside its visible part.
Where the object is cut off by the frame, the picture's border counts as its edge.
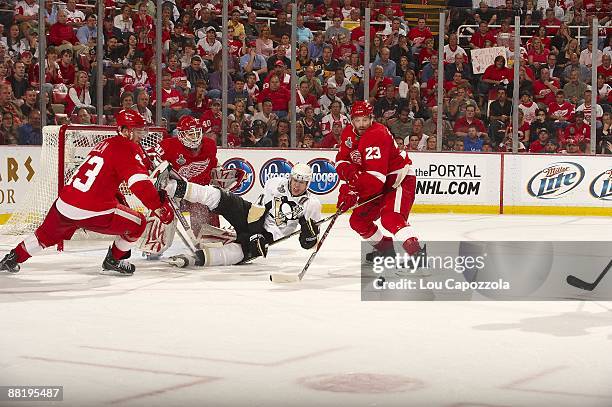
(63, 150)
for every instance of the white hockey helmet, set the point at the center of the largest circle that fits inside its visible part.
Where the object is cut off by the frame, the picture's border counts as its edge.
(301, 172)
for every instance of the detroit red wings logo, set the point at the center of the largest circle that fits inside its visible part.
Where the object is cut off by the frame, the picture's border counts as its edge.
(194, 169)
(356, 156)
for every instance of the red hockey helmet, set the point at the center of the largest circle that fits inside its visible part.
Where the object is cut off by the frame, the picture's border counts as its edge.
(189, 132)
(133, 121)
(361, 108)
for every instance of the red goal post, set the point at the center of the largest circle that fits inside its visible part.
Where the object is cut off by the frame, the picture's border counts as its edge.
(63, 150)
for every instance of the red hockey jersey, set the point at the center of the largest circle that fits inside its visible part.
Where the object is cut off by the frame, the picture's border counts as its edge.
(93, 189)
(193, 166)
(376, 155)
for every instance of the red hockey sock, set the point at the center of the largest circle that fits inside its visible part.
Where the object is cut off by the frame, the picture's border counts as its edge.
(411, 245)
(386, 243)
(22, 253)
(116, 252)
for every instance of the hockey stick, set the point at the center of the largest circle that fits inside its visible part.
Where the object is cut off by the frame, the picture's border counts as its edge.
(583, 285)
(292, 278)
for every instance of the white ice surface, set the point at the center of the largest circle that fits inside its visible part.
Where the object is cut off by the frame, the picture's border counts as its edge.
(229, 337)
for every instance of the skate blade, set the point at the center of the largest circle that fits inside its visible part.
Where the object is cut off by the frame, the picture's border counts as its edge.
(114, 273)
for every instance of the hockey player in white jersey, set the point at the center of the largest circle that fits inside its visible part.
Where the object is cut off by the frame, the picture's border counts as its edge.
(284, 207)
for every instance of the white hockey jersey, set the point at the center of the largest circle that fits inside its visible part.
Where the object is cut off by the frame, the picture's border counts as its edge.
(286, 209)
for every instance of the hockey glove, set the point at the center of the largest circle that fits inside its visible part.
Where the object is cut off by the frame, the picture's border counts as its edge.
(258, 246)
(347, 197)
(309, 233)
(348, 172)
(165, 213)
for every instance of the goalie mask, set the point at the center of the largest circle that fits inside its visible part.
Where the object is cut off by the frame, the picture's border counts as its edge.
(189, 132)
(134, 123)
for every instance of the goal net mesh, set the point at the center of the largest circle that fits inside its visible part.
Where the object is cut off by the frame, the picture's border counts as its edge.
(64, 149)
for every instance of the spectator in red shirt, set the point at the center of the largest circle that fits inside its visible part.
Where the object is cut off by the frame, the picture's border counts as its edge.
(379, 83)
(174, 105)
(551, 23)
(545, 88)
(605, 68)
(538, 54)
(62, 35)
(66, 67)
(279, 96)
(579, 131)
(142, 20)
(332, 139)
(481, 36)
(417, 35)
(463, 123)
(496, 75)
(197, 101)
(539, 145)
(561, 111)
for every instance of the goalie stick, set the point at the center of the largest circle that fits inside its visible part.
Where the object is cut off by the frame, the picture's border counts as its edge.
(293, 278)
(583, 285)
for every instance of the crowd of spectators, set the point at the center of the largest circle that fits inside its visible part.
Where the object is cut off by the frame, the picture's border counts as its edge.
(555, 69)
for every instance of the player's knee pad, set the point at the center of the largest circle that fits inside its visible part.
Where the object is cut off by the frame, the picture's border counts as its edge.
(362, 225)
(393, 221)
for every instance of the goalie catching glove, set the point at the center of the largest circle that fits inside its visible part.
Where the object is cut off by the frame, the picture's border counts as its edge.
(309, 234)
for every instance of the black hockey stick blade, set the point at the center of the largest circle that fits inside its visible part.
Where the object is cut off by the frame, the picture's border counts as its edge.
(578, 283)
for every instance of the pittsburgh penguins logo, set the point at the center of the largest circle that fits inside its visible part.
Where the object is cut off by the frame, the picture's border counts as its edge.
(286, 210)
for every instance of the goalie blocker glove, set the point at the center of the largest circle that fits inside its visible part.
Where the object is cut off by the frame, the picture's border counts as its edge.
(309, 234)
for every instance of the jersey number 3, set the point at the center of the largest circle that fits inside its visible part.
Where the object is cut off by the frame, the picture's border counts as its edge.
(89, 176)
(372, 153)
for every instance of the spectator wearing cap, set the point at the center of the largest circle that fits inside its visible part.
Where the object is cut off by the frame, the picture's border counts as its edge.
(280, 55)
(384, 61)
(539, 144)
(579, 131)
(30, 133)
(280, 71)
(327, 98)
(571, 147)
(551, 146)
(209, 46)
(304, 34)
(251, 61)
(279, 96)
(257, 136)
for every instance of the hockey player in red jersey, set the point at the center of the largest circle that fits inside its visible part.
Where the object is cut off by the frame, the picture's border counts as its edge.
(193, 157)
(90, 200)
(370, 163)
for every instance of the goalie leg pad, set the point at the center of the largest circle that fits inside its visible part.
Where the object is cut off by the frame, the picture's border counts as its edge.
(157, 237)
(203, 194)
(226, 255)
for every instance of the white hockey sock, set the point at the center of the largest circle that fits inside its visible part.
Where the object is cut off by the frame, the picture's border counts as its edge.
(123, 245)
(31, 245)
(405, 233)
(376, 238)
(226, 255)
(203, 194)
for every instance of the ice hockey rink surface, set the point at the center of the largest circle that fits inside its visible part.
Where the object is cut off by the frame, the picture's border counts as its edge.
(229, 337)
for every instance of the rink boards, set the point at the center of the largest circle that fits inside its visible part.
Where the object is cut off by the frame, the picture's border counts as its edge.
(447, 182)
